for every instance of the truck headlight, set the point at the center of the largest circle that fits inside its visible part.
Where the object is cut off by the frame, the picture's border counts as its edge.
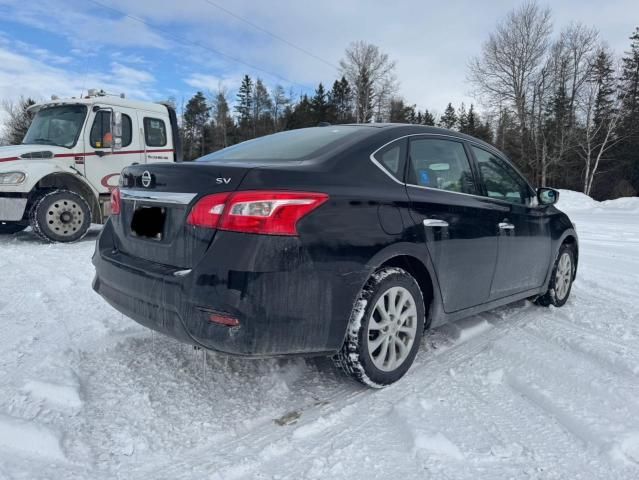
(12, 178)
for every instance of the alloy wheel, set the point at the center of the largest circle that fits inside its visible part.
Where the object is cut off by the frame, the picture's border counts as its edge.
(392, 328)
(563, 276)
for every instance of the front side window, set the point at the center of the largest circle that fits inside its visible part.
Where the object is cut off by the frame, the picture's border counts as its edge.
(440, 164)
(154, 132)
(101, 136)
(500, 179)
(56, 126)
(391, 158)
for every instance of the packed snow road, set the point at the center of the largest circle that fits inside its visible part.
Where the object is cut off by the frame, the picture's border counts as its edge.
(520, 392)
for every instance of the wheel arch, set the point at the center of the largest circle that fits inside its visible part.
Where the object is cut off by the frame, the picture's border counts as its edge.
(410, 258)
(68, 181)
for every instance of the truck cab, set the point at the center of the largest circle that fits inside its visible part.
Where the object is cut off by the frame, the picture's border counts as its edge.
(60, 178)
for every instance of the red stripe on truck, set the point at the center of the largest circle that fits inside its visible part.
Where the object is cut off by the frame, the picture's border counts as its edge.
(65, 155)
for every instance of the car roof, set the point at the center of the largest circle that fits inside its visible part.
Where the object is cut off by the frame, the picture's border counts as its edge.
(411, 129)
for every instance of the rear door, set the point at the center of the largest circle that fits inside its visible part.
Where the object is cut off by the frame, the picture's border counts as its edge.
(102, 165)
(524, 239)
(458, 226)
(156, 137)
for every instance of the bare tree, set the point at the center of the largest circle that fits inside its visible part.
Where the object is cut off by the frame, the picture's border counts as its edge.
(279, 103)
(18, 120)
(221, 114)
(371, 75)
(600, 106)
(507, 69)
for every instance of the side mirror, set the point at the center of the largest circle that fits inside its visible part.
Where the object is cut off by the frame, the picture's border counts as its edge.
(116, 131)
(547, 196)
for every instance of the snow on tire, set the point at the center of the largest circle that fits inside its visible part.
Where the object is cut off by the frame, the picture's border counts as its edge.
(60, 216)
(385, 329)
(563, 274)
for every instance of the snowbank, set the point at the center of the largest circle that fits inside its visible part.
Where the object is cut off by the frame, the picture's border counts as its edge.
(570, 200)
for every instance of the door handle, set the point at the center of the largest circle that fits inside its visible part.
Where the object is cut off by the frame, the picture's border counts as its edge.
(506, 226)
(435, 222)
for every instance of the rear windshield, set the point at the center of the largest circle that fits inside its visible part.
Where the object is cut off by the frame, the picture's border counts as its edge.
(289, 145)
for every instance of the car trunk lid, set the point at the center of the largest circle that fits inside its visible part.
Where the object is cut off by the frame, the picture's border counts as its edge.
(155, 203)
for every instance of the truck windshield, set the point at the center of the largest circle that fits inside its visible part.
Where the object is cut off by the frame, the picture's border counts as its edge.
(56, 126)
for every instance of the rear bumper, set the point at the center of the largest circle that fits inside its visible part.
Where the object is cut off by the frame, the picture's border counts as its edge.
(284, 307)
(12, 207)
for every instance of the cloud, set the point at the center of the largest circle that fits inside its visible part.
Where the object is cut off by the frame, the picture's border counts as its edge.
(431, 42)
(22, 75)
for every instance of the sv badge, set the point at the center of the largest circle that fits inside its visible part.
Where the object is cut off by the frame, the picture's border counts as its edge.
(222, 180)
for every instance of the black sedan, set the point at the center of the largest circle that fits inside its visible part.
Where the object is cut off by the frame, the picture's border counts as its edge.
(345, 241)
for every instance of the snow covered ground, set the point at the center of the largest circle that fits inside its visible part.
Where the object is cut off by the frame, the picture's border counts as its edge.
(520, 392)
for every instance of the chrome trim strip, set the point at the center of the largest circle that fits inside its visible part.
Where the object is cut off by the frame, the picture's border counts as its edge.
(499, 155)
(157, 197)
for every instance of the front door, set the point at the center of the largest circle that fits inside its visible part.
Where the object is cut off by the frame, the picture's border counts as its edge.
(458, 226)
(524, 239)
(102, 164)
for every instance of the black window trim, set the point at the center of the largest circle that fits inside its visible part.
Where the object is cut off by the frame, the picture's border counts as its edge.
(110, 112)
(403, 144)
(146, 143)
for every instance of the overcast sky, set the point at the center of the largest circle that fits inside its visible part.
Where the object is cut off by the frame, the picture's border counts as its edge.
(65, 46)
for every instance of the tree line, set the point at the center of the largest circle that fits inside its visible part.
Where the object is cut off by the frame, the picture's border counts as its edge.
(561, 105)
(564, 107)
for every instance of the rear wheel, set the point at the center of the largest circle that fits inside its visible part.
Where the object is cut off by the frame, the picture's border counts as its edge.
(561, 280)
(385, 329)
(61, 216)
(7, 228)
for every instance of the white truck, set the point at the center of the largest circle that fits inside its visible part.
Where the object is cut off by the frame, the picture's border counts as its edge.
(60, 178)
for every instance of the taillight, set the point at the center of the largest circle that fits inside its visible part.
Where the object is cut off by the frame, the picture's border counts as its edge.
(115, 201)
(208, 211)
(263, 212)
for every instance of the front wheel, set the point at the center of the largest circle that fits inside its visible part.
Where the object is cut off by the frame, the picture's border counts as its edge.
(7, 228)
(61, 216)
(563, 274)
(385, 329)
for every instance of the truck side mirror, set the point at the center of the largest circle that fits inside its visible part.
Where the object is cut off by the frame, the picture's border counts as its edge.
(116, 131)
(547, 196)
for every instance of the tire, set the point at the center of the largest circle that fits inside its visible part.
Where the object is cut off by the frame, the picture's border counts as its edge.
(8, 228)
(368, 362)
(563, 274)
(60, 216)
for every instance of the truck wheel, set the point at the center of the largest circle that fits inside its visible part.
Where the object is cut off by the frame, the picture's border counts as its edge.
(61, 216)
(563, 274)
(385, 329)
(7, 228)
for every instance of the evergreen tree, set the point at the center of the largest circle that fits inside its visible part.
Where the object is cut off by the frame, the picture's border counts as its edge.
(462, 119)
(427, 119)
(244, 106)
(194, 123)
(301, 115)
(629, 128)
(340, 100)
(471, 122)
(320, 105)
(449, 119)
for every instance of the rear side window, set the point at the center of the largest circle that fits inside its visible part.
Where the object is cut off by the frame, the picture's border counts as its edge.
(440, 164)
(101, 130)
(391, 158)
(154, 132)
(500, 179)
